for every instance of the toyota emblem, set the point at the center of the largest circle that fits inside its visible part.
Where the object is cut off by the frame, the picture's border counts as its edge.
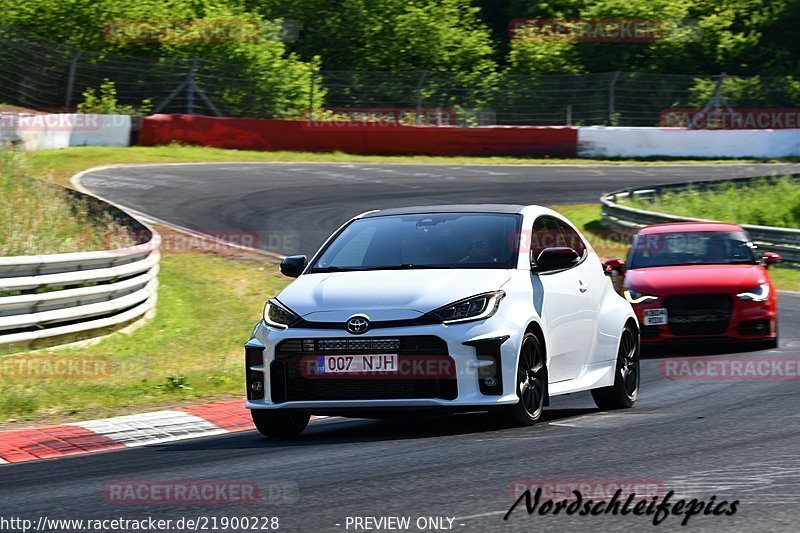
(357, 324)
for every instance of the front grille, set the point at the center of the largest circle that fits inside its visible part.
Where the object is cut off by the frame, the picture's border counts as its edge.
(698, 314)
(289, 384)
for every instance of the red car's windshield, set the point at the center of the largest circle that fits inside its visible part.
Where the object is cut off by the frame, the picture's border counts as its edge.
(689, 248)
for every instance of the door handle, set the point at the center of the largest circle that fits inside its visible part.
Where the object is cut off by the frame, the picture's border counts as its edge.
(582, 286)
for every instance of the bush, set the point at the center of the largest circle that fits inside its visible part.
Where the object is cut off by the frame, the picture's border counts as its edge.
(106, 103)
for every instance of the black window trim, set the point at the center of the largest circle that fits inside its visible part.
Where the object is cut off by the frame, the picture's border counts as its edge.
(558, 221)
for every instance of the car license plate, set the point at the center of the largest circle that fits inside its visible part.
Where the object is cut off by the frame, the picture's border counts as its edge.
(356, 364)
(655, 317)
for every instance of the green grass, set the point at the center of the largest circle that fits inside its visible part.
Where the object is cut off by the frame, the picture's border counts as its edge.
(37, 218)
(764, 203)
(62, 164)
(190, 352)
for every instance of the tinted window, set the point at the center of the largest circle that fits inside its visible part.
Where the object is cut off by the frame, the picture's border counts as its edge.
(572, 238)
(546, 234)
(441, 240)
(700, 247)
(550, 232)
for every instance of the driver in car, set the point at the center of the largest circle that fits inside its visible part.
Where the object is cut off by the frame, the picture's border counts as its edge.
(480, 250)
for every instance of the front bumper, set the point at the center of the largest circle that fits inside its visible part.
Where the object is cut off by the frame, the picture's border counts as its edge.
(749, 321)
(470, 365)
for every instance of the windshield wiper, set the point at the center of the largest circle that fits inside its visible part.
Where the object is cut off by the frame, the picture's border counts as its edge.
(330, 269)
(411, 266)
(402, 266)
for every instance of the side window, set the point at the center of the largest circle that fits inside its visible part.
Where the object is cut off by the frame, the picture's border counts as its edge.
(546, 234)
(572, 238)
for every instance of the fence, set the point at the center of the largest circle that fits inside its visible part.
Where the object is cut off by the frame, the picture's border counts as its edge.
(44, 296)
(784, 241)
(43, 75)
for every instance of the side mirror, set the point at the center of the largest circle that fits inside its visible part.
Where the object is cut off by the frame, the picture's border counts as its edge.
(293, 265)
(614, 264)
(770, 258)
(556, 258)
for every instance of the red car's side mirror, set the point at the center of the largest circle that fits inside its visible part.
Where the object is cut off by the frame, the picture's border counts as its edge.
(770, 258)
(614, 265)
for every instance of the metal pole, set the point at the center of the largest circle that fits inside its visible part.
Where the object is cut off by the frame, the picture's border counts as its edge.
(569, 114)
(71, 80)
(419, 96)
(311, 99)
(191, 88)
(611, 98)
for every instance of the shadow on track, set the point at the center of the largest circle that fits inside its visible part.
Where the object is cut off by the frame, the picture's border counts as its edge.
(345, 431)
(677, 350)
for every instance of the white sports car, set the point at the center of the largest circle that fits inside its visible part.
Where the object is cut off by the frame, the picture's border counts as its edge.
(448, 308)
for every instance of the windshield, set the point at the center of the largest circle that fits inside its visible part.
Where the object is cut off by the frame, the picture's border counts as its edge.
(691, 248)
(441, 240)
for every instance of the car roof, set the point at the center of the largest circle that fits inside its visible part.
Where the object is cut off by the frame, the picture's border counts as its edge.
(455, 208)
(678, 227)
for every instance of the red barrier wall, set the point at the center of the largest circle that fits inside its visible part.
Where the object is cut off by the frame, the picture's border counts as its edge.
(263, 134)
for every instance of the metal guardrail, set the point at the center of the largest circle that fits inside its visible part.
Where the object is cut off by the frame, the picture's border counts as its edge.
(45, 296)
(784, 241)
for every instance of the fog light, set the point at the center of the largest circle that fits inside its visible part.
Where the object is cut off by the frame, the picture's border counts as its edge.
(256, 386)
(490, 381)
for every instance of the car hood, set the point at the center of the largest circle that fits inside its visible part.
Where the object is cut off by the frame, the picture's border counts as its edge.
(385, 294)
(693, 278)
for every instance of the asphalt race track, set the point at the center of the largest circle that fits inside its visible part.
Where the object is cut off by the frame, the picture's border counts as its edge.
(295, 206)
(735, 440)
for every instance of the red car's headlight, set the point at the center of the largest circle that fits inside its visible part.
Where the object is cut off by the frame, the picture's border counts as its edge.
(756, 294)
(636, 297)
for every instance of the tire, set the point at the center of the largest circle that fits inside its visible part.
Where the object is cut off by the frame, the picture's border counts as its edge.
(281, 424)
(622, 394)
(531, 384)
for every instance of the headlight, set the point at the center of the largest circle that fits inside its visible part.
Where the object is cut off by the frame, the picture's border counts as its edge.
(277, 316)
(636, 297)
(473, 308)
(756, 294)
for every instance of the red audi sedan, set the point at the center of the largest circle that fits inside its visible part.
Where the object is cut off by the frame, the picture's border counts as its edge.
(698, 282)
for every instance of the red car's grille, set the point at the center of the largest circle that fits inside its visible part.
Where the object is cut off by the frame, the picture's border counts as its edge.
(698, 314)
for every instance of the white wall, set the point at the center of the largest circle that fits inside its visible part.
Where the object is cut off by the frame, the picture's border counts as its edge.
(599, 141)
(52, 131)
